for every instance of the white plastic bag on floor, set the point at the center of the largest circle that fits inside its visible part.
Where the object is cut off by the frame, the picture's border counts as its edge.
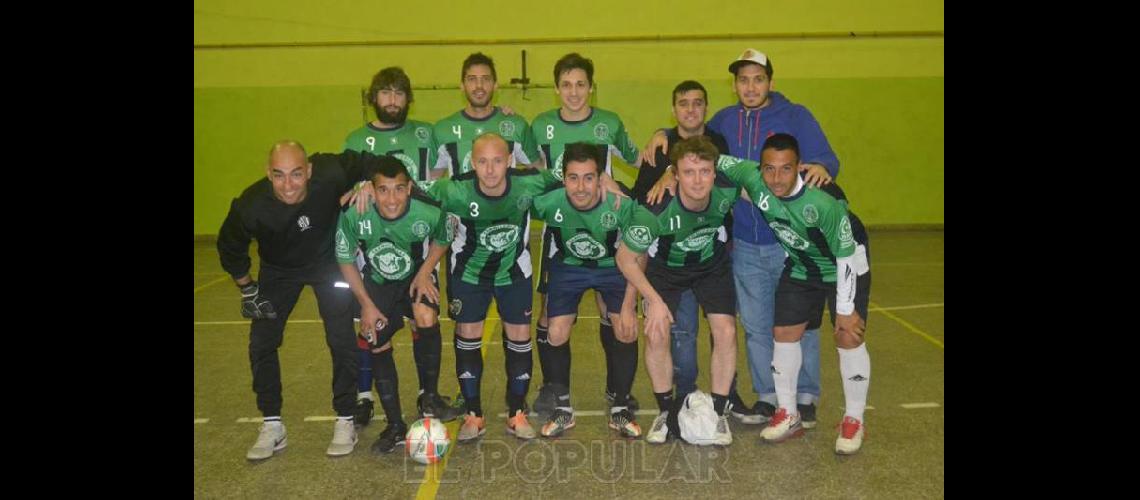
(697, 419)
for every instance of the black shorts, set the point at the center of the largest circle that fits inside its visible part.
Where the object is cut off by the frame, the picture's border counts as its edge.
(798, 301)
(393, 301)
(468, 303)
(712, 283)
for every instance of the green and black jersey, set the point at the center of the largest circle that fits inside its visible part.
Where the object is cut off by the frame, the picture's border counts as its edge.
(456, 133)
(394, 247)
(602, 128)
(412, 143)
(491, 242)
(586, 238)
(677, 237)
(813, 225)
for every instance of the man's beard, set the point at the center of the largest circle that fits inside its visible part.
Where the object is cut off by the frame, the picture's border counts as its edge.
(386, 117)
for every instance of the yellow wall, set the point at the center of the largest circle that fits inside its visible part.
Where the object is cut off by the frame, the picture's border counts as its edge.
(878, 99)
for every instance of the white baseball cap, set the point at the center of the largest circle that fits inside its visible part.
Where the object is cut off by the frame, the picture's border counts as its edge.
(751, 56)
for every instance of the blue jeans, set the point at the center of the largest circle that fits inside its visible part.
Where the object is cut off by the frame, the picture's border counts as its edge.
(683, 334)
(757, 270)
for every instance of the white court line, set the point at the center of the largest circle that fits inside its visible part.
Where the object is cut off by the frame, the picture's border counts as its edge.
(597, 413)
(245, 420)
(201, 420)
(911, 406)
(900, 308)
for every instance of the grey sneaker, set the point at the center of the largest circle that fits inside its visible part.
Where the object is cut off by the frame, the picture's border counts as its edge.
(659, 431)
(723, 436)
(744, 413)
(344, 439)
(271, 439)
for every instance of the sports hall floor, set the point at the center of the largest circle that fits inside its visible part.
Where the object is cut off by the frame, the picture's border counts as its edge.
(902, 455)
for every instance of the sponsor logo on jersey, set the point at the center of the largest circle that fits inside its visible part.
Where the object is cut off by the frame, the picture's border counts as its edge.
(639, 235)
(846, 238)
(787, 235)
(499, 237)
(523, 203)
(724, 206)
(811, 215)
(698, 240)
(454, 307)
(341, 244)
(602, 132)
(609, 220)
(303, 221)
(506, 128)
(420, 229)
(390, 261)
(583, 246)
(421, 134)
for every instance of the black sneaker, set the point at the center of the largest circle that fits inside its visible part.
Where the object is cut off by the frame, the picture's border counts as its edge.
(744, 413)
(435, 406)
(391, 438)
(631, 403)
(363, 412)
(807, 415)
(544, 402)
(765, 410)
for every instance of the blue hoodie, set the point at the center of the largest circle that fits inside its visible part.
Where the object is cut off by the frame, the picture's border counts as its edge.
(746, 131)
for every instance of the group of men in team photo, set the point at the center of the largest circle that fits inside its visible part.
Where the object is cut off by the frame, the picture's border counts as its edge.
(739, 214)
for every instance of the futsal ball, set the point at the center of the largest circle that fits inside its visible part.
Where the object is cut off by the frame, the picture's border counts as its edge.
(427, 440)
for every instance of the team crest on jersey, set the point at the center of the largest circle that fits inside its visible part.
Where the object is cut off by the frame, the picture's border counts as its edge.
(390, 261)
(303, 221)
(341, 243)
(452, 224)
(609, 220)
(454, 307)
(421, 134)
(788, 236)
(523, 203)
(408, 162)
(700, 239)
(583, 246)
(639, 235)
(846, 238)
(601, 132)
(420, 229)
(724, 206)
(499, 237)
(506, 128)
(465, 166)
(811, 215)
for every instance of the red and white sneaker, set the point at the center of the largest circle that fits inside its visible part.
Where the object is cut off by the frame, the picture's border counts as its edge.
(782, 427)
(850, 436)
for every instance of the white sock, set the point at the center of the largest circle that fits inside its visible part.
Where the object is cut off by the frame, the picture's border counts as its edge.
(364, 395)
(855, 364)
(786, 360)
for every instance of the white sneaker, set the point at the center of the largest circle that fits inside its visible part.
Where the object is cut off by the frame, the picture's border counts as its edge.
(271, 439)
(344, 438)
(782, 427)
(723, 435)
(659, 431)
(850, 436)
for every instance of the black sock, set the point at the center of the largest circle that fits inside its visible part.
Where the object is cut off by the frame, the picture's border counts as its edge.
(469, 371)
(426, 345)
(559, 358)
(664, 400)
(719, 402)
(388, 385)
(625, 368)
(519, 365)
(542, 340)
(606, 334)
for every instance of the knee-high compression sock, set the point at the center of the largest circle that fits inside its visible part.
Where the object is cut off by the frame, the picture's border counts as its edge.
(364, 381)
(542, 339)
(426, 345)
(388, 385)
(855, 367)
(606, 335)
(786, 360)
(469, 371)
(519, 366)
(625, 368)
(559, 358)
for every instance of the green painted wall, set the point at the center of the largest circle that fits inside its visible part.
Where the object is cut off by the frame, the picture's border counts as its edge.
(879, 100)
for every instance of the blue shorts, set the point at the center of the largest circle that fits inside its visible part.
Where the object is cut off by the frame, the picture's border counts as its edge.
(568, 283)
(468, 303)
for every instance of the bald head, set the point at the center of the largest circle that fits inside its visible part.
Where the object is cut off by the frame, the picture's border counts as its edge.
(491, 139)
(490, 158)
(289, 170)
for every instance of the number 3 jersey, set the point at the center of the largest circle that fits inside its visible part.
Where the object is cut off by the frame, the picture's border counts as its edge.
(677, 237)
(491, 244)
(586, 238)
(394, 247)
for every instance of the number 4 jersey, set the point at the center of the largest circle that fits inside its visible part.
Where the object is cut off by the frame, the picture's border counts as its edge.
(456, 133)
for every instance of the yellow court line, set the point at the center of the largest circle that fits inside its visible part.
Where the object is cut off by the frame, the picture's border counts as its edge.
(219, 280)
(430, 486)
(908, 326)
